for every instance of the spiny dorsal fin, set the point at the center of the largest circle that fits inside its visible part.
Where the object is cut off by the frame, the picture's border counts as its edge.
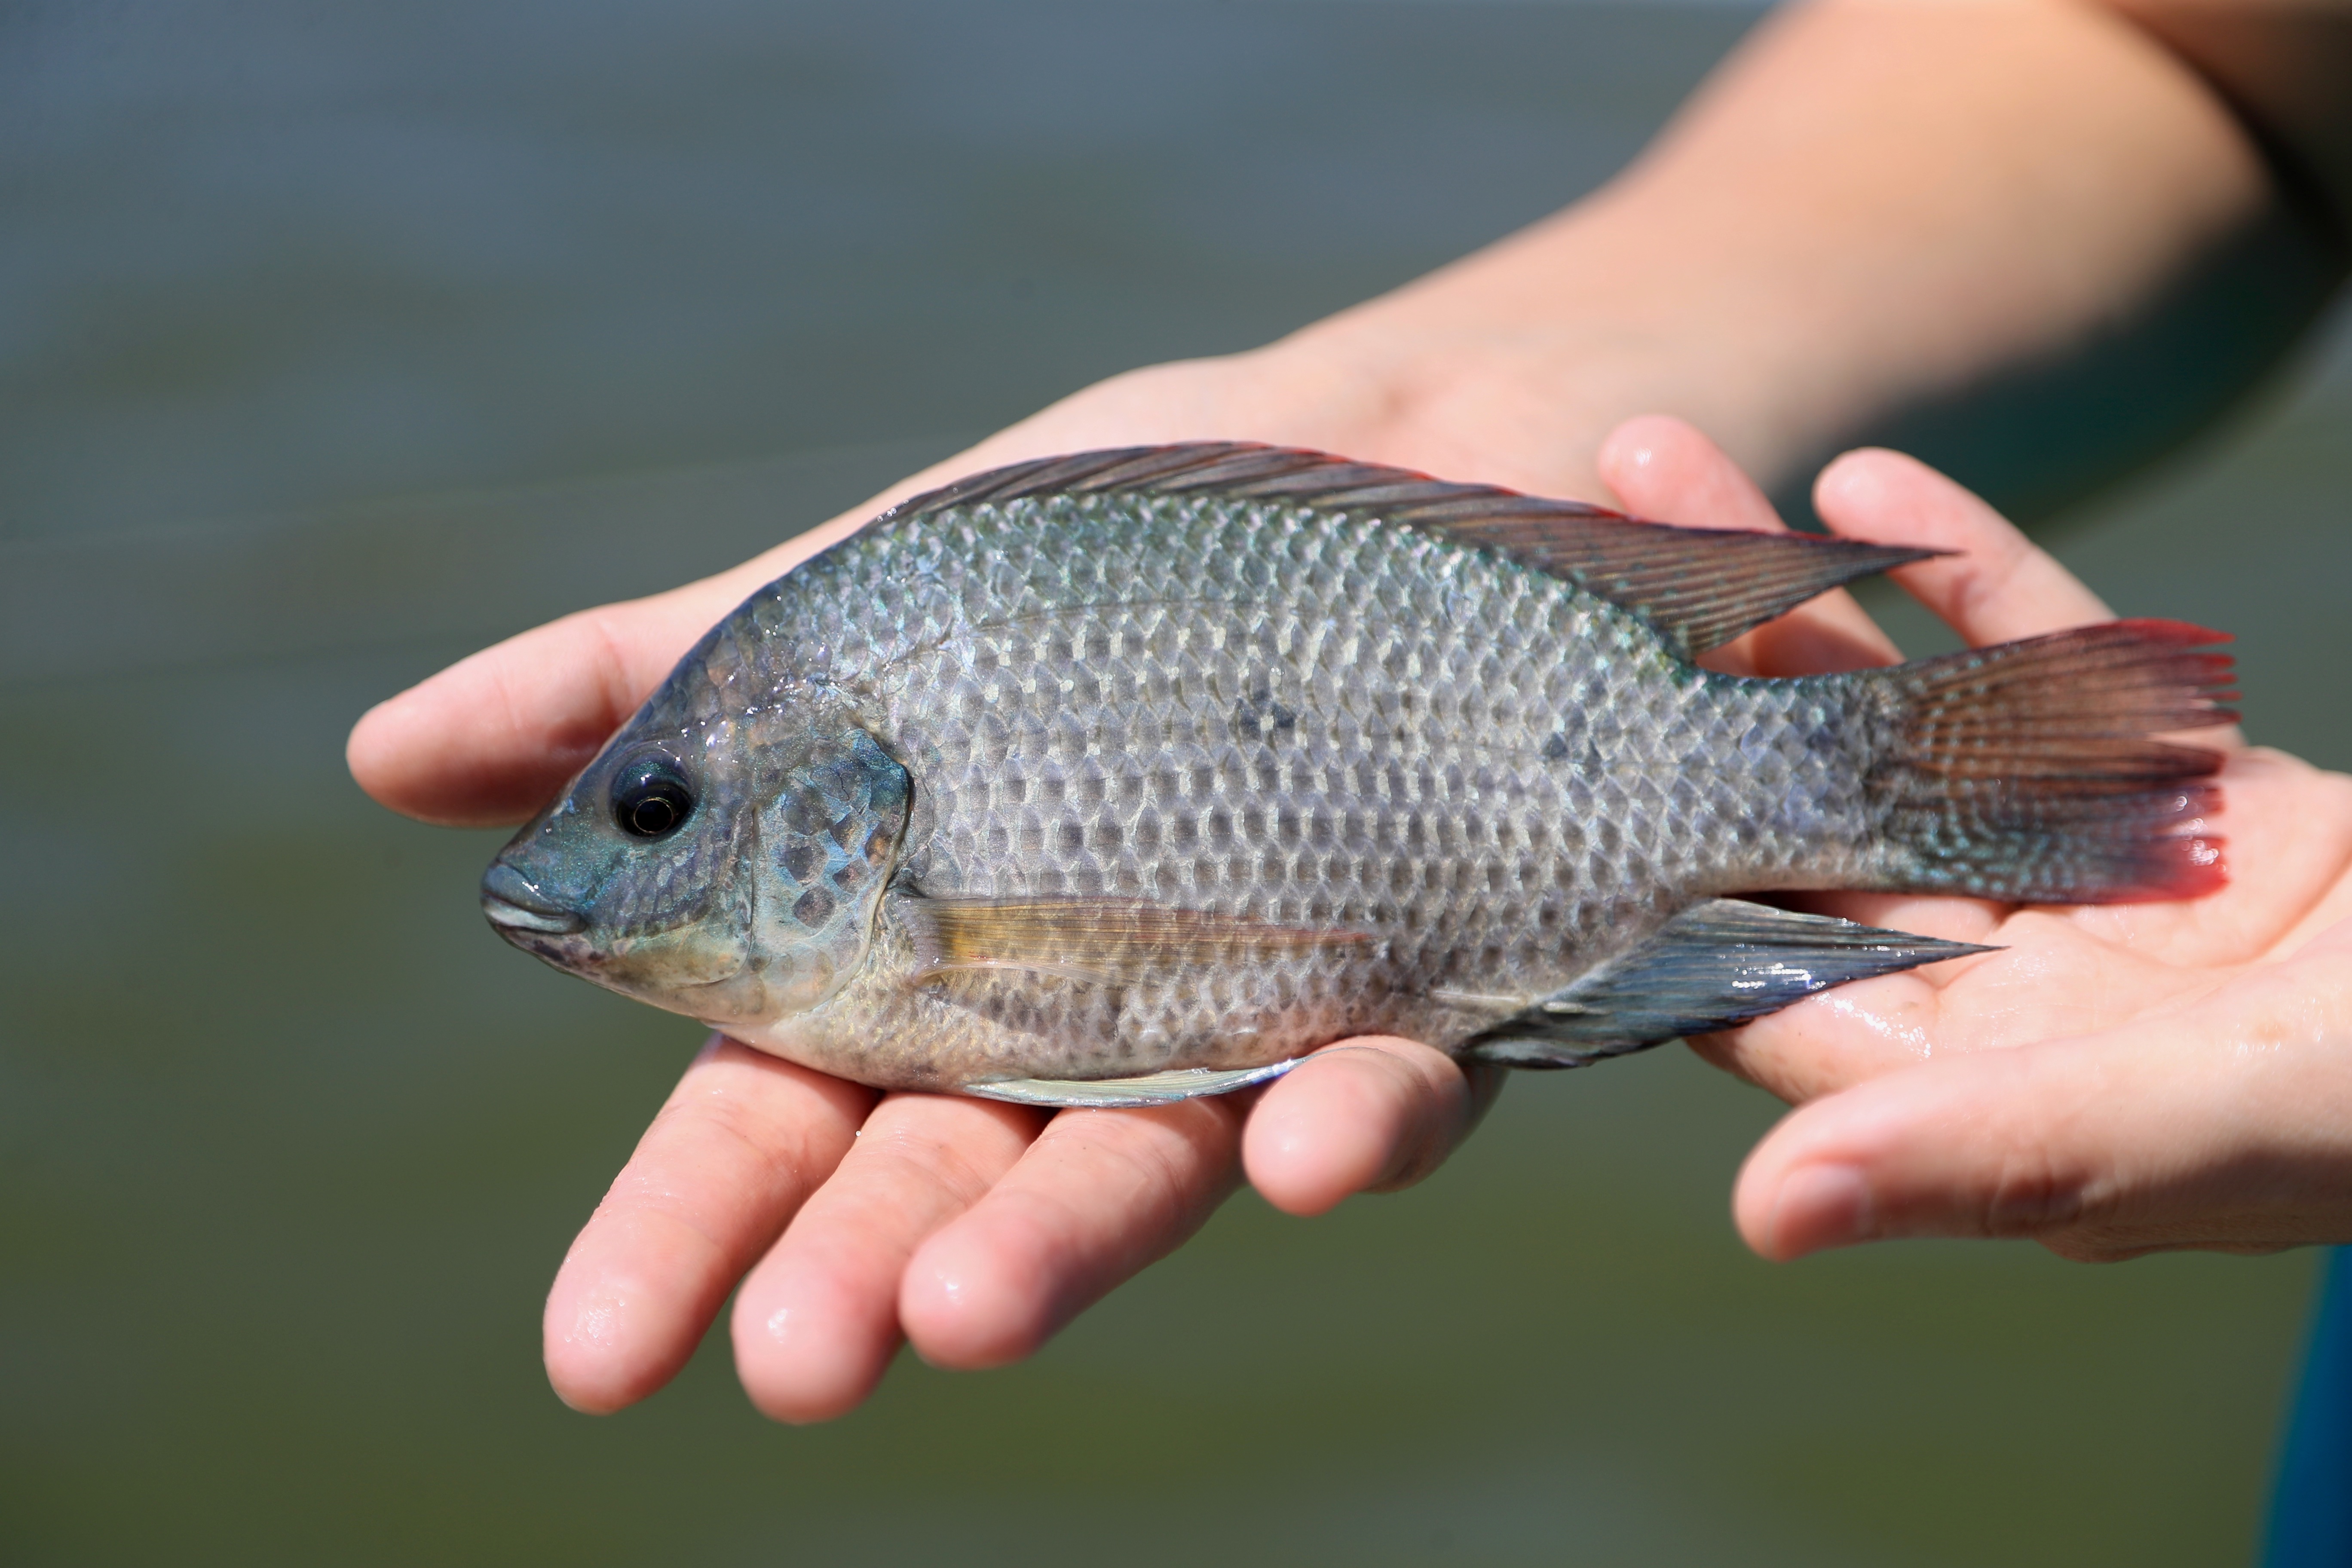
(1102, 942)
(1699, 586)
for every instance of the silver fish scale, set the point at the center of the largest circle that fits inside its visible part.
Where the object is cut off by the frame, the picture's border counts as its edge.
(1303, 716)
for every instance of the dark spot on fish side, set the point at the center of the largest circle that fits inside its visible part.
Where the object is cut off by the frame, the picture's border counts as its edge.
(815, 906)
(801, 859)
(1258, 717)
(1555, 748)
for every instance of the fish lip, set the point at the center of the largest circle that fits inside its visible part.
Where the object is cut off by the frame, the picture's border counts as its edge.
(510, 904)
(514, 917)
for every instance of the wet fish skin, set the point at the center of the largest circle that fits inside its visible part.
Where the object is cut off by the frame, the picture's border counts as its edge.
(1067, 777)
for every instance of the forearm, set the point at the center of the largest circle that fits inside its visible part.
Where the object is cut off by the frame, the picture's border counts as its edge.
(1874, 204)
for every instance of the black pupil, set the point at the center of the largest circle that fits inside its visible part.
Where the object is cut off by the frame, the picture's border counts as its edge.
(649, 799)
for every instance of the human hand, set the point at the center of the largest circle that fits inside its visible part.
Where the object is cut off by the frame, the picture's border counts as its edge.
(855, 1221)
(2118, 1078)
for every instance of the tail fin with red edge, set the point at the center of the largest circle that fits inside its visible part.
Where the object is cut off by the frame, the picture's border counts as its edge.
(2031, 770)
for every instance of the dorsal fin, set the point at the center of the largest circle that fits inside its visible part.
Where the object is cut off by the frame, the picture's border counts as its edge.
(1699, 586)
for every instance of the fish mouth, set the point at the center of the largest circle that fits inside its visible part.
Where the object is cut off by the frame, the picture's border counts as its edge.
(510, 904)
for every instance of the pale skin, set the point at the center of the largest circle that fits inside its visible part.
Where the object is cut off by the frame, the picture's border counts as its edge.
(2115, 1079)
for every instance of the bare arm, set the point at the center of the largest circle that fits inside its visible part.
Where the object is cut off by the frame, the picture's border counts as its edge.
(1873, 204)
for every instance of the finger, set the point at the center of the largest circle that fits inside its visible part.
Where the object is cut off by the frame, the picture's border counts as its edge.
(2291, 826)
(1369, 1115)
(1997, 585)
(1832, 1041)
(1100, 1195)
(817, 1321)
(741, 1144)
(1664, 470)
(2221, 1125)
(2049, 978)
(487, 740)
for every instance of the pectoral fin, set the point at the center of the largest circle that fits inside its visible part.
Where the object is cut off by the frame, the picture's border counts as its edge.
(1712, 966)
(1107, 942)
(1127, 1093)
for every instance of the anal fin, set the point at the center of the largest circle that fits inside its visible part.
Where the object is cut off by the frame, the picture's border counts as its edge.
(1714, 965)
(1128, 1093)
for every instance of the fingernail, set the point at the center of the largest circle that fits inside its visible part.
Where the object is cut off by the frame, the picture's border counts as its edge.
(1820, 1206)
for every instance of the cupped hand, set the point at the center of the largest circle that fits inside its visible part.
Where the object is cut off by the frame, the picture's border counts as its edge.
(855, 1222)
(2117, 1079)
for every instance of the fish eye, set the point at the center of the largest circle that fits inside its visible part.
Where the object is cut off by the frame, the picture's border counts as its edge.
(651, 799)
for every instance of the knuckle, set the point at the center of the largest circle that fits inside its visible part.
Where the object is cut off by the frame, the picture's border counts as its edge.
(936, 1159)
(2033, 1194)
(1174, 1163)
(1442, 1107)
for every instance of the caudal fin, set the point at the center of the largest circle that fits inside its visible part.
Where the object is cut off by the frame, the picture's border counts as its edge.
(2030, 772)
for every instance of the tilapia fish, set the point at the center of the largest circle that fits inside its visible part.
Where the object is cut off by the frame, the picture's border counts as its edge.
(1117, 778)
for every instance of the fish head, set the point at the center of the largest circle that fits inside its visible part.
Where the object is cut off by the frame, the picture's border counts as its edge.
(725, 866)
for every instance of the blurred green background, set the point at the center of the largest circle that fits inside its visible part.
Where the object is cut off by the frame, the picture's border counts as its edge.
(336, 342)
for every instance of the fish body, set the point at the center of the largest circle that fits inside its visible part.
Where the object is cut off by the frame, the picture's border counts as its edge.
(1117, 777)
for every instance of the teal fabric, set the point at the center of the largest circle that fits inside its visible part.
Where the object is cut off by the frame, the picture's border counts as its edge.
(2311, 1512)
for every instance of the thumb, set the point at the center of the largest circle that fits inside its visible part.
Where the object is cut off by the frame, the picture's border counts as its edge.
(2226, 1125)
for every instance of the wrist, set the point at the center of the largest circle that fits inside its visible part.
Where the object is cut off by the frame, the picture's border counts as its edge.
(1513, 366)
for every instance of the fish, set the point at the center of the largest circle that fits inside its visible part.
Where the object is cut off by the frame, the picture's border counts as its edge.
(1121, 777)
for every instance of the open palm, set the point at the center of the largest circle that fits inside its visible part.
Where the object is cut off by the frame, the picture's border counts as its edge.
(2117, 1078)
